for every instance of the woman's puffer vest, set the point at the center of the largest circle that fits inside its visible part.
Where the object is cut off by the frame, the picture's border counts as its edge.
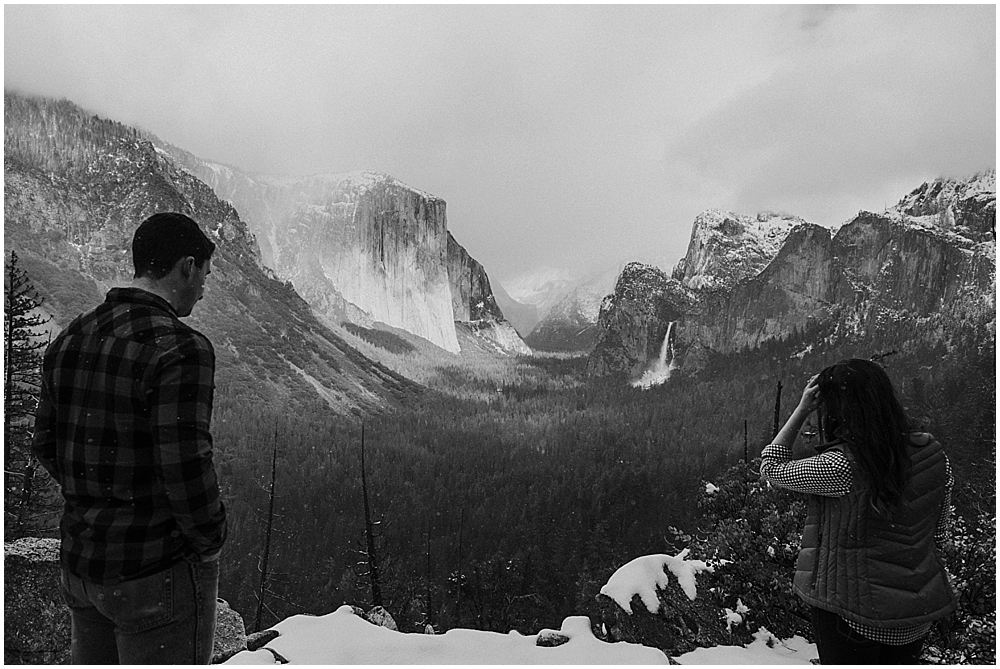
(877, 571)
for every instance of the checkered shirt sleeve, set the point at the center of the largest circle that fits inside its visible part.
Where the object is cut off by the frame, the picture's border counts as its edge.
(827, 474)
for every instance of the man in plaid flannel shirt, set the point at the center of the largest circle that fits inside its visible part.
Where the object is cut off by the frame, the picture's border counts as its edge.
(123, 426)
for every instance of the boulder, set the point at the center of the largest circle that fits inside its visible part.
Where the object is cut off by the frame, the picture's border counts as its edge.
(379, 616)
(230, 633)
(36, 626)
(551, 639)
(258, 640)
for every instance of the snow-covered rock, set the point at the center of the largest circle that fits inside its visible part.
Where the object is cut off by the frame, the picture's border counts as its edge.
(726, 247)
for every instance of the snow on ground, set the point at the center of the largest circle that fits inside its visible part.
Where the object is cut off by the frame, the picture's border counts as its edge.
(766, 649)
(342, 637)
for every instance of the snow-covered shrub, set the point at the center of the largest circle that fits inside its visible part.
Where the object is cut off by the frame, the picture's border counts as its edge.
(661, 601)
(752, 532)
(969, 636)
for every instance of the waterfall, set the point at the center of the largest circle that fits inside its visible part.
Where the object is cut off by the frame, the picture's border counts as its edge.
(663, 366)
(667, 347)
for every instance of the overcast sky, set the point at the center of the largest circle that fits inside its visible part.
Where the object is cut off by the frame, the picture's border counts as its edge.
(568, 136)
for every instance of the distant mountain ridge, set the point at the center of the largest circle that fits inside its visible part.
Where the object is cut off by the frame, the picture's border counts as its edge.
(558, 308)
(571, 322)
(925, 268)
(363, 247)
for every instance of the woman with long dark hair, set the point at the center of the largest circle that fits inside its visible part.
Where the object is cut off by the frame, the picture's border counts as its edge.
(879, 500)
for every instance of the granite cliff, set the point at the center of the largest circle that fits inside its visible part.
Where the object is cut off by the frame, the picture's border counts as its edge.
(361, 247)
(924, 268)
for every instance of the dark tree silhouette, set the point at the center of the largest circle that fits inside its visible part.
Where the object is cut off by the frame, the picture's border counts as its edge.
(22, 381)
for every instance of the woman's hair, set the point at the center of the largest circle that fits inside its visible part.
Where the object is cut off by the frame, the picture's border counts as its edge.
(859, 406)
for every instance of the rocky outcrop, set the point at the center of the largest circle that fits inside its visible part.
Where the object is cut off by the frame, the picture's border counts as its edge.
(497, 337)
(472, 297)
(749, 281)
(36, 623)
(633, 320)
(230, 633)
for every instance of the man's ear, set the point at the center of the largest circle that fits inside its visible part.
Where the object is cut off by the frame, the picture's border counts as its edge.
(186, 265)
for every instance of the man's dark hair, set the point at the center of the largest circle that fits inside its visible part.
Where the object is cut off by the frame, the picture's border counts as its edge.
(163, 239)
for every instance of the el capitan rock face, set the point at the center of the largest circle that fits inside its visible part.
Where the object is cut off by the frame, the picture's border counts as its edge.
(929, 263)
(361, 246)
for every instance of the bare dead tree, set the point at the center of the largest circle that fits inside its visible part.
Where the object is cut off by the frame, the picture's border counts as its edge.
(430, 610)
(458, 596)
(262, 565)
(777, 411)
(371, 558)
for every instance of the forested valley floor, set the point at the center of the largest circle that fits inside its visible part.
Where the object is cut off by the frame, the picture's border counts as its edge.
(508, 492)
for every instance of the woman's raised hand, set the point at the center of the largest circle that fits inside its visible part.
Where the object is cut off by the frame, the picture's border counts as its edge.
(810, 396)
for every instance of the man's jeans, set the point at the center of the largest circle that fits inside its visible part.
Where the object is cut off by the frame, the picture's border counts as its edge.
(164, 618)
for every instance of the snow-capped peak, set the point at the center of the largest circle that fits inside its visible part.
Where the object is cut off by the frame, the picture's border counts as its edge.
(727, 247)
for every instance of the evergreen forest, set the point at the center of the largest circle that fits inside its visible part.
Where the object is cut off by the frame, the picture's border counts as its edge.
(511, 512)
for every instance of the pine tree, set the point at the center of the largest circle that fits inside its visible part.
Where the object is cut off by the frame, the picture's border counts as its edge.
(22, 381)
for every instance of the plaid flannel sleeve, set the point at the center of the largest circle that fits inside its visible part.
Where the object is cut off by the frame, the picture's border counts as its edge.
(827, 474)
(180, 414)
(43, 443)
